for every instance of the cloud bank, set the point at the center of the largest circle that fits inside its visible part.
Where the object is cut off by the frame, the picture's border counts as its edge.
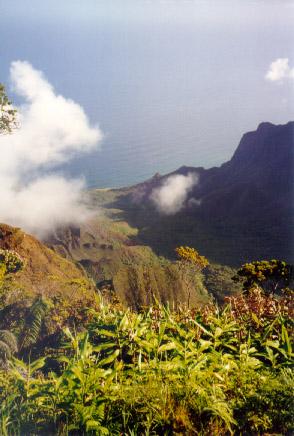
(171, 196)
(52, 130)
(279, 71)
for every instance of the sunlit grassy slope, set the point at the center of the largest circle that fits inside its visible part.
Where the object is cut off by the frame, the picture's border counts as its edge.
(132, 250)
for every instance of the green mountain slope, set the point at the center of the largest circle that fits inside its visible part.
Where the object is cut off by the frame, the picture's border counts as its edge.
(237, 213)
(111, 249)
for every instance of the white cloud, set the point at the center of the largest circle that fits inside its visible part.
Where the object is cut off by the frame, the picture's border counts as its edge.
(52, 127)
(171, 196)
(194, 202)
(45, 203)
(279, 71)
(52, 130)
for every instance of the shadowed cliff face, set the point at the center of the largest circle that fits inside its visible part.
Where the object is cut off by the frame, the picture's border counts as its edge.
(266, 151)
(258, 179)
(237, 213)
(241, 211)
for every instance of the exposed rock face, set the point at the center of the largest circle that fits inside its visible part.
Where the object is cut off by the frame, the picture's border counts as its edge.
(68, 236)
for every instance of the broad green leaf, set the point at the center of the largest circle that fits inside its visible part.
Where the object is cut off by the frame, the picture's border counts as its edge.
(106, 346)
(218, 332)
(254, 317)
(204, 345)
(63, 359)
(166, 347)
(145, 345)
(286, 341)
(37, 364)
(124, 323)
(274, 344)
(109, 359)
(202, 328)
(77, 372)
(105, 332)
(268, 329)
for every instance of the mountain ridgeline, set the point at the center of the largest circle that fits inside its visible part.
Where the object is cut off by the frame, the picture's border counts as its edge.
(246, 205)
(257, 181)
(239, 212)
(259, 177)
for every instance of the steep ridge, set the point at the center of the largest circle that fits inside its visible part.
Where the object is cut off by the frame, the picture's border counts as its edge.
(242, 212)
(249, 199)
(260, 173)
(40, 263)
(255, 190)
(113, 255)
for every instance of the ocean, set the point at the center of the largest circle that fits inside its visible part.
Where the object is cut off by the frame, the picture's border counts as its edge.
(168, 87)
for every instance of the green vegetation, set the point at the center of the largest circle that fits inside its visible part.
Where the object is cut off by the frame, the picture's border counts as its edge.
(218, 371)
(7, 115)
(113, 249)
(10, 264)
(89, 366)
(271, 277)
(39, 269)
(223, 242)
(218, 282)
(190, 264)
(75, 362)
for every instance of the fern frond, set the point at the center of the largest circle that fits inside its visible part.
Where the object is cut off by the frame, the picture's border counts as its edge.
(91, 417)
(99, 412)
(10, 339)
(33, 322)
(85, 413)
(5, 351)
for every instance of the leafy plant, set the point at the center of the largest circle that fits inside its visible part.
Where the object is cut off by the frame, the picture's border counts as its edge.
(214, 371)
(33, 322)
(272, 277)
(10, 264)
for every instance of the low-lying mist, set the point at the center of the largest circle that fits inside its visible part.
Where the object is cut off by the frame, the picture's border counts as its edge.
(170, 198)
(52, 130)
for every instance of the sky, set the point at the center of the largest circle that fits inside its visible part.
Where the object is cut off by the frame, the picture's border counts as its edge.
(109, 92)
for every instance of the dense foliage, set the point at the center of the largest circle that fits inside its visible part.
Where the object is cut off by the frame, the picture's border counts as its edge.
(214, 371)
(10, 264)
(79, 363)
(271, 277)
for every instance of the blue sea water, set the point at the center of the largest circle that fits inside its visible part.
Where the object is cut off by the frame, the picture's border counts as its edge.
(166, 92)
